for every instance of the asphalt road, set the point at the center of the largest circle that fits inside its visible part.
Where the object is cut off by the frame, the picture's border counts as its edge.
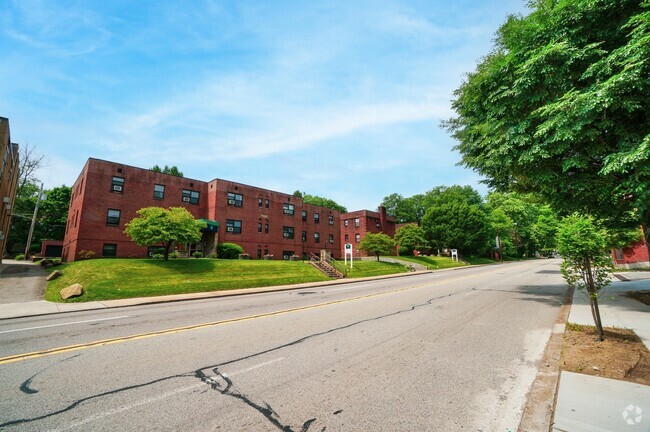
(448, 351)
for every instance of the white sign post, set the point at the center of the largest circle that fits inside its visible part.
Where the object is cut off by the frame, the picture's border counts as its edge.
(348, 251)
(454, 254)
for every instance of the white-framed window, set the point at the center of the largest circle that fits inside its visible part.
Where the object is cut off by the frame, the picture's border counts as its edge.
(233, 226)
(287, 232)
(357, 222)
(113, 217)
(357, 238)
(235, 199)
(117, 184)
(316, 218)
(330, 220)
(158, 191)
(190, 196)
(288, 209)
(316, 237)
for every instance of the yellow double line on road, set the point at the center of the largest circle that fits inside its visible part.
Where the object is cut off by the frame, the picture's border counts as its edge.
(122, 339)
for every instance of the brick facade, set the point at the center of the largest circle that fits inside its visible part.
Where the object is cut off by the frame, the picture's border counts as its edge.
(633, 256)
(105, 188)
(355, 225)
(9, 167)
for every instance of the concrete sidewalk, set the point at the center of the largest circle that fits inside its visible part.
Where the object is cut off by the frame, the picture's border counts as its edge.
(589, 403)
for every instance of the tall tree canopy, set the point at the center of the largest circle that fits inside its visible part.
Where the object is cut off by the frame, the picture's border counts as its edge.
(561, 107)
(320, 201)
(457, 219)
(173, 170)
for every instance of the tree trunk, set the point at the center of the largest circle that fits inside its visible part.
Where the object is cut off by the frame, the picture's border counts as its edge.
(593, 301)
(168, 245)
(599, 323)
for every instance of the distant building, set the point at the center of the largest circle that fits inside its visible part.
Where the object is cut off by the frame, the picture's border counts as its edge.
(355, 225)
(107, 195)
(9, 167)
(634, 256)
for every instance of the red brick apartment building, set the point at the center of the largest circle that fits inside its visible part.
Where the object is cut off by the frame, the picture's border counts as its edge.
(9, 168)
(107, 195)
(355, 225)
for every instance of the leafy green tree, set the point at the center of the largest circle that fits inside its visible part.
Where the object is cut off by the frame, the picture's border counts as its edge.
(411, 237)
(545, 229)
(587, 264)
(561, 108)
(53, 213)
(377, 244)
(523, 211)
(167, 170)
(159, 226)
(457, 219)
(320, 201)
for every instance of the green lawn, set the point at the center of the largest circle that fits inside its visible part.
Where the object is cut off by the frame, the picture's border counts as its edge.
(371, 268)
(478, 260)
(109, 279)
(432, 262)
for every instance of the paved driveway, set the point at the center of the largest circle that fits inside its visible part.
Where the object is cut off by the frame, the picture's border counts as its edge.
(21, 282)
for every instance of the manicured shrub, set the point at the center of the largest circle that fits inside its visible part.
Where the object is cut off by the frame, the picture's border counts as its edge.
(19, 257)
(197, 254)
(229, 250)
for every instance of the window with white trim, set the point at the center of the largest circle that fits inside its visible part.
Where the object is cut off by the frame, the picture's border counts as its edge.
(235, 199)
(117, 184)
(287, 232)
(233, 226)
(190, 196)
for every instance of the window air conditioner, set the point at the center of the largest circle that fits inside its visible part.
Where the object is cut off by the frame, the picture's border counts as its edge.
(287, 211)
(5, 200)
(117, 188)
(286, 234)
(231, 202)
(186, 199)
(230, 229)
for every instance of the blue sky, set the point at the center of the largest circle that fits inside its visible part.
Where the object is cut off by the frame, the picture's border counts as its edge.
(341, 99)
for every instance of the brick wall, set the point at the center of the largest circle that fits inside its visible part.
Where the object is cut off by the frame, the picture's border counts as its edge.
(9, 167)
(355, 225)
(93, 195)
(635, 255)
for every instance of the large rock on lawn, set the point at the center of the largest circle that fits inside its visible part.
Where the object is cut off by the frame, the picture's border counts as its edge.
(55, 274)
(74, 290)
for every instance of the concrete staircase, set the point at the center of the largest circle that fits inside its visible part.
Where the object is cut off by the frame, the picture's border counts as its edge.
(326, 268)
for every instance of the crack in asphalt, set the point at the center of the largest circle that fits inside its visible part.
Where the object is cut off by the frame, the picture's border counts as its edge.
(25, 386)
(228, 389)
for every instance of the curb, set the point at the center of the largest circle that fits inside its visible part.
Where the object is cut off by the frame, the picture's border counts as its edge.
(540, 407)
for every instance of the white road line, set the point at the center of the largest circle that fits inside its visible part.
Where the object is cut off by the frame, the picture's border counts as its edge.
(104, 414)
(254, 367)
(63, 324)
(153, 399)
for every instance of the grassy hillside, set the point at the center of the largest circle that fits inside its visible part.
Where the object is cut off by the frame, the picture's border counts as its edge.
(107, 279)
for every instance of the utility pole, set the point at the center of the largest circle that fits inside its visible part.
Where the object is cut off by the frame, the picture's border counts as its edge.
(31, 229)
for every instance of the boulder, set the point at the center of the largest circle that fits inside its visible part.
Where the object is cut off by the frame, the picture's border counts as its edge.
(55, 274)
(73, 290)
(45, 262)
